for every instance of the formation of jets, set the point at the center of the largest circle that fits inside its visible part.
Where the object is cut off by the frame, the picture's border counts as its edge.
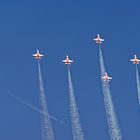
(98, 40)
(67, 61)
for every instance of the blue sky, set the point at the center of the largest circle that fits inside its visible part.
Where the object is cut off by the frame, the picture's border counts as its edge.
(58, 28)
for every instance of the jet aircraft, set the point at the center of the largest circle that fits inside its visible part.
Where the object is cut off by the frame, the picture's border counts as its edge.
(38, 55)
(98, 40)
(67, 61)
(106, 77)
(135, 60)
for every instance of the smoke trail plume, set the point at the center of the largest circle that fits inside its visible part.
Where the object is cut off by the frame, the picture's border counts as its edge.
(113, 125)
(138, 84)
(75, 120)
(46, 126)
(27, 104)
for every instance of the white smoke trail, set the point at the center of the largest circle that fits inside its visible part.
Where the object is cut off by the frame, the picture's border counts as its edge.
(75, 120)
(138, 84)
(27, 104)
(113, 125)
(46, 126)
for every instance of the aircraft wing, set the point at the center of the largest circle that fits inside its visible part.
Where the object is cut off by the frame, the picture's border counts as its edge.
(95, 39)
(70, 61)
(103, 77)
(34, 54)
(133, 60)
(63, 60)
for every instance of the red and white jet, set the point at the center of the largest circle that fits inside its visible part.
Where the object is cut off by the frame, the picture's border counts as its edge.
(67, 61)
(38, 55)
(98, 39)
(106, 77)
(135, 60)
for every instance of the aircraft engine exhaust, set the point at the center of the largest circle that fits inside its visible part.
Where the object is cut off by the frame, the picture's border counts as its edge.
(138, 84)
(112, 121)
(46, 126)
(75, 119)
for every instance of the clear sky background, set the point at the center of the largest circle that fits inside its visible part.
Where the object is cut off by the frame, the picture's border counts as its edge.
(57, 28)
